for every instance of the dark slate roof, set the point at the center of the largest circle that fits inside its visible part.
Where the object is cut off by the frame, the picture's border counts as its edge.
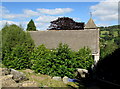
(90, 24)
(76, 39)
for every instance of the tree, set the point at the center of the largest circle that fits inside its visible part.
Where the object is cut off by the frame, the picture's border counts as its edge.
(107, 48)
(65, 23)
(31, 26)
(13, 35)
(117, 41)
(16, 45)
(107, 69)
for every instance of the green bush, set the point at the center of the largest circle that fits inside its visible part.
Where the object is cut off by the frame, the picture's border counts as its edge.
(83, 58)
(16, 45)
(40, 59)
(18, 58)
(61, 61)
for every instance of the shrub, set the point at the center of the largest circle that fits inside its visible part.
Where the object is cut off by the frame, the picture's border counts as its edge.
(16, 43)
(61, 61)
(40, 59)
(83, 58)
(18, 58)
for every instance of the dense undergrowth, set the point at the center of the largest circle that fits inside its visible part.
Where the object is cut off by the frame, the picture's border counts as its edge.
(19, 52)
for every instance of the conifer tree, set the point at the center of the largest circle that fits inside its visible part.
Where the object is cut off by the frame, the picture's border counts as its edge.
(31, 26)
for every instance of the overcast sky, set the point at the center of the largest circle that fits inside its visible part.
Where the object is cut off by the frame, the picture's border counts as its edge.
(104, 13)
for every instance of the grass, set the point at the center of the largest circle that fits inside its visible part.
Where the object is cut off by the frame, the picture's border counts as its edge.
(115, 34)
(104, 33)
(2, 66)
(47, 81)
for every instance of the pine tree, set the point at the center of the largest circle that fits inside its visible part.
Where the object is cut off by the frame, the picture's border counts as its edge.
(31, 26)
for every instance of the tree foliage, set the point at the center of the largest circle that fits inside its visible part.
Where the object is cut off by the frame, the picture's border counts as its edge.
(18, 58)
(109, 41)
(110, 28)
(61, 61)
(107, 69)
(13, 35)
(65, 23)
(31, 26)
(107, 48)
(16, 44)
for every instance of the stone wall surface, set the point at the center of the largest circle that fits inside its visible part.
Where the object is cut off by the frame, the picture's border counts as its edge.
(12, 78)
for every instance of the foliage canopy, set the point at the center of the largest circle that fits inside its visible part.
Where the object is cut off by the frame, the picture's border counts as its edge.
(61, 61)
(31, 26)
(16, 44)
(110, 40)
(65, 23)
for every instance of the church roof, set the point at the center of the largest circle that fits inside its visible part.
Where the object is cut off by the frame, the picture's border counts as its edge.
(76, 39)
(90, 24)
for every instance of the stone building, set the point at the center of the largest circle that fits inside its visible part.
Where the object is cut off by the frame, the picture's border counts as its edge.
(76, 39)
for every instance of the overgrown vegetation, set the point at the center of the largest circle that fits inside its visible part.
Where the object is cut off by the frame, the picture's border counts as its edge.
(109, 40)
(16, 47)
(19, 52)
(61, 61)
(107, 69)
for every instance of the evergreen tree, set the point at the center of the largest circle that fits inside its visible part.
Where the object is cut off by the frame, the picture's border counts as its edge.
(31, 26)
(16, 47)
